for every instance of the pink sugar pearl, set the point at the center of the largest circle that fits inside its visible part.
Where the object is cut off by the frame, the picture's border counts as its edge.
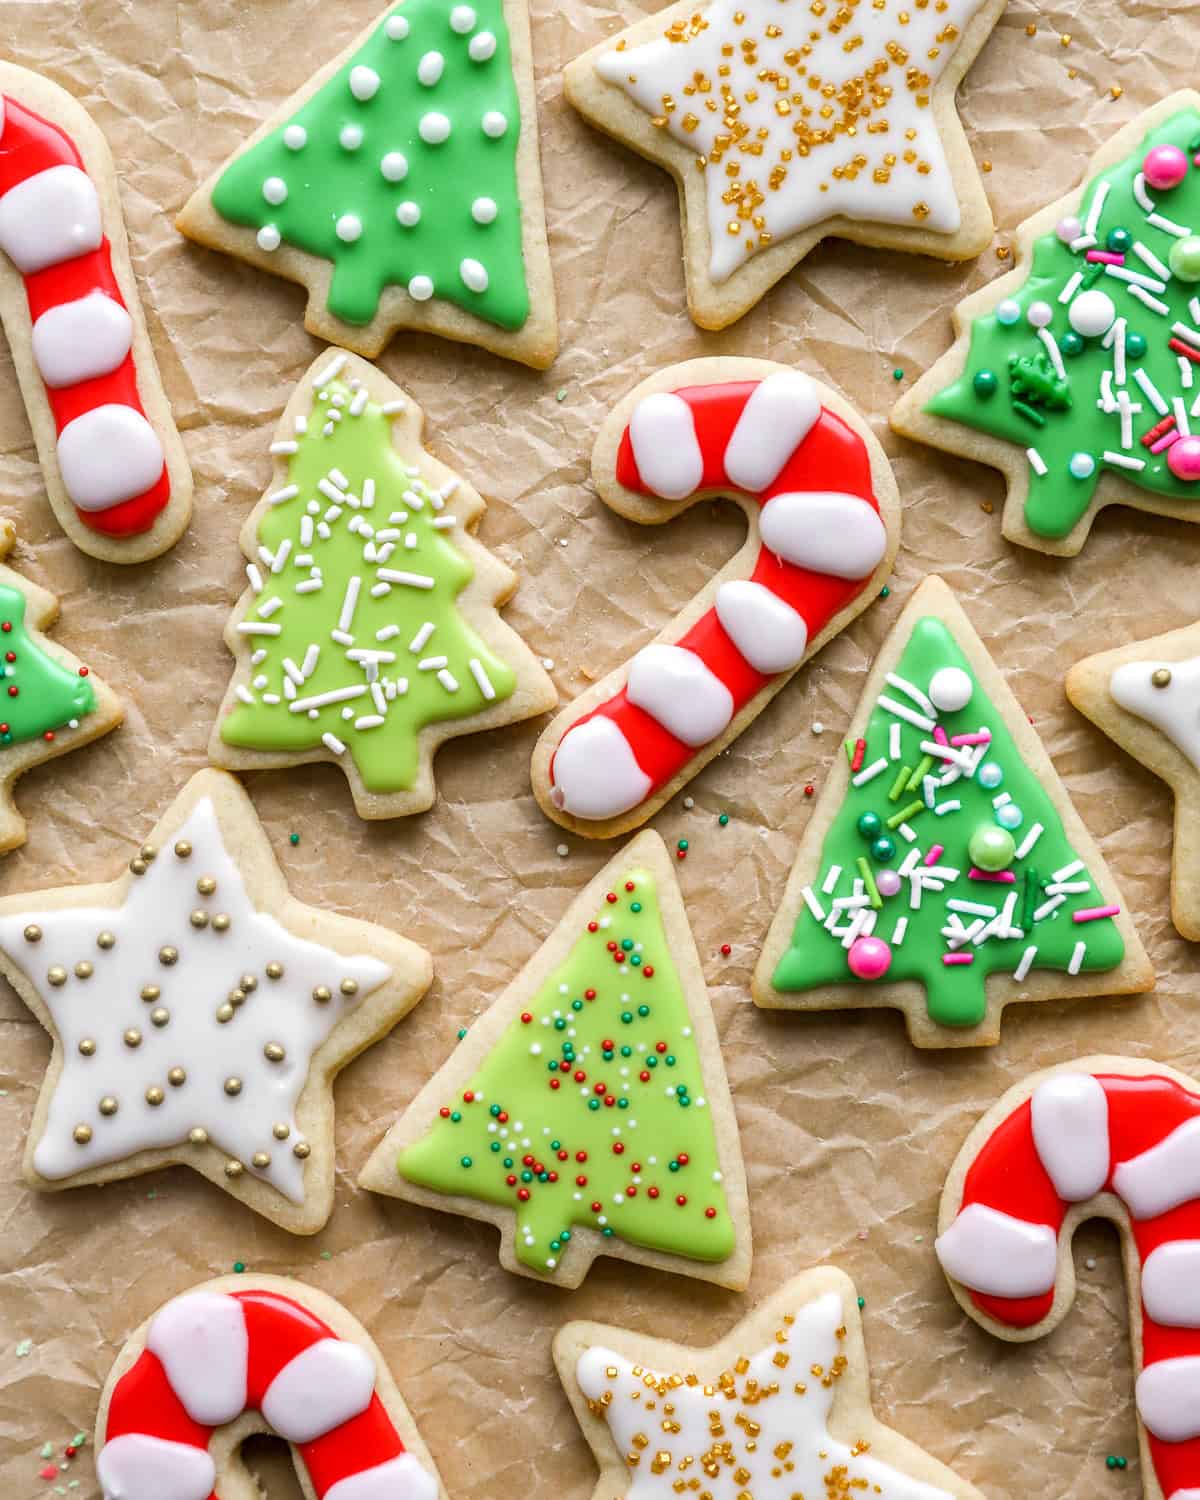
(1165, 167)
(869, 958)
(1183, 459)
(888, 882)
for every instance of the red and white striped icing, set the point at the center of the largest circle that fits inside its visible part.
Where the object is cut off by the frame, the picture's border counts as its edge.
(1079, 1135)
(212, 1355)
(822, 537)
(52, 229)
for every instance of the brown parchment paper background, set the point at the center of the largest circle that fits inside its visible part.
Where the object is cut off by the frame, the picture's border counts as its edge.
(848, 1131)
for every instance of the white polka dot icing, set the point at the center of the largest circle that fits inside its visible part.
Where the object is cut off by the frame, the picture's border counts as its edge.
(434, 128)
(364, 83)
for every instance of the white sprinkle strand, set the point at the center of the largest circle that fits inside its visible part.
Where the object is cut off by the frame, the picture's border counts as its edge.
(1030, 839)
(289, 492)
(448, 680)
(1051, 347)
(331, 371)
(1071, 287)
(482, 680)
(1077, 958)
(411, 580)
(1122, 461)
(869, 773)
(1036, 462)
(1026, 963)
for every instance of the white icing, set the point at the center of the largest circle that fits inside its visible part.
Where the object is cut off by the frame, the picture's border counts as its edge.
(768, 632)
(1163, 1177)
(434, 127)
(137, 1467)
(108, 455)
(324, 1386)
(808, 191)
(1171, 1284)
(596, 774)
(993, 1253)
(364, 82)
(82, 339)
(494, 124)
(787, 1417)
(401, 1478)
(825, 531)
(202, 1342)
(1175, 709)
(779, 415)
(674, 686)
(666, 449)
(430, 68)
(474, 274)
(50, 217)
(1168, 1398)
(1070, 1131)
(156, 913)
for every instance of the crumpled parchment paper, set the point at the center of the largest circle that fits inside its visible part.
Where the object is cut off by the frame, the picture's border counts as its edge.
(847, 1130)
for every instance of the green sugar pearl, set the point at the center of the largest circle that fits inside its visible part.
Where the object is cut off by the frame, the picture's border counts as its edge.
(991, 848)
(985, 384)
(870, 824)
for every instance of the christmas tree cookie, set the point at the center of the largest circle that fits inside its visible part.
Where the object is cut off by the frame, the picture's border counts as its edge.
(369, 631)
(401, 186)
(49, 701)
(944, 871)
(587, 1112)
(780, 1409)
(1078, 374)
(785, 123)
(199, 1013)
(1146, 696)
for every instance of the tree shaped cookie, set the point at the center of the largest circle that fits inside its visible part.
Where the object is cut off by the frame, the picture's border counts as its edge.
(49, 701)
(1146, 696)
(944, 871)
(780, 1408)
(1078, 374)
(369, 632)
(402, 186)
(587, 1112)
(785, 123)
(199, 1013)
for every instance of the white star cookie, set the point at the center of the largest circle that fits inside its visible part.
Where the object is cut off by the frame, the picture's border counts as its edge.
(200, 1013)
(785, 121)
(778, 1409)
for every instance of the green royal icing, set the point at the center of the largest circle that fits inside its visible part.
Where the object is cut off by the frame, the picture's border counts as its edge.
(1061, 417)
(331, 185)
(653, 1095)
(37, 694)
(378, 631)
(955, 996)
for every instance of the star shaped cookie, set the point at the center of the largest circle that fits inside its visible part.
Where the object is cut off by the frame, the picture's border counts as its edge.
(779, 1408)
(784, 121)
(1146, 697)
(199, 1013)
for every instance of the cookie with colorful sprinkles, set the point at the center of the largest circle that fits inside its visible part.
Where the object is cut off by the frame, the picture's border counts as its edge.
(944, 871)
(199, 1013)
(778, 1409)
(784, 123)
(402, 186)
(253, 1354)
(369, 630)
(1078, 373)
(50, 702)
(1146, 697)
(587, 1112)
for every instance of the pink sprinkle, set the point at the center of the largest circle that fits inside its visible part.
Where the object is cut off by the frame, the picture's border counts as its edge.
(49, 1472)
(935, 854)
(1106, 257)
(939, 735)
(952, 959)
(1165, 442)
(1003, 877)
(1094, 913)
(984, 737)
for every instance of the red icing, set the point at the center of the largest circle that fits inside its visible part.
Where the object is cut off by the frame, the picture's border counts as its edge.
(1007, 1175)
(831, 456)
(29, 145)
(278, 1329)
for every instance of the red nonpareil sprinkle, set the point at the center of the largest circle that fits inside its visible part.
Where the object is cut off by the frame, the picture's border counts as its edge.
(13, 692)
(726, 950)
(647, 971)
(49, 735)
(681, 1200)
(580, 1076)
(607, 1045)
(444, 1112)
(635, 1167)
(629, 886)
(660, 1047)
(70, 1450)
(601, 1088)
(618, 957)
(581, 1181)
(593, 926)
(609, 1101)
(83, 671)
(596, 1207)
(563, 1155)
(554, 1082)
(618, 1148)
(683, 1158)
(631, 1190)
(581, 1156)
(527, 1161)
(526, 1018)
(679, 853)
(511, 1180)
(809, 789)
(860, 751)
(611, 946)
(644, 1076)
(589, 994)
(652, 1192)
(611, 898)
(523, 1194)
(468, 1097)
(710, 1213)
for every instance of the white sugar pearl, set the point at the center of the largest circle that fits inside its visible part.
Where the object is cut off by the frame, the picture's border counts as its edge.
(1040, 314)
(348, 228)
(275, 190)
(482, 47)
(408, 213)
(351, 137)
(1068, 229)
(484, 210)
(474, 275)
(1091, 313)
(394, 166)
(396, 28)
(295, 137)
(434, 128)
(420, 288)
(462, 19)
(950, 689)
(1008, 311)
(364, 83)
(494, 124)
(269, 237)
(430, 68)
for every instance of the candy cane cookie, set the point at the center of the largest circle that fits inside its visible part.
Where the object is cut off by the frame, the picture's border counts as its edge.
(823, 517)
(248, 1354)
(1105, 1137)
(115, 470)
